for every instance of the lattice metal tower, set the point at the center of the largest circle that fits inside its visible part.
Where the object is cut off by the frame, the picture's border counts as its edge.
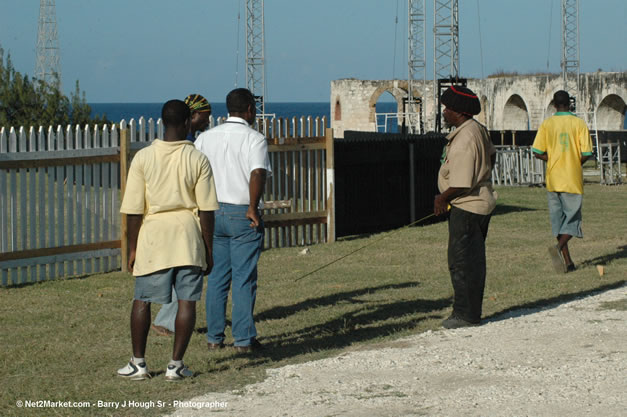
(255, 53)
(416, 82)
(445, 44)
(570, 46)
(47, 63)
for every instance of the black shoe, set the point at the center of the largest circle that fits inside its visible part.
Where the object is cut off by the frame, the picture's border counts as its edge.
(215, 346)
(253, 347)
(454, 322)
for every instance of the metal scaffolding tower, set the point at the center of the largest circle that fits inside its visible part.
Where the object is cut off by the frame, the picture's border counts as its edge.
(416, 82)
(47, 66)
(255, 53)
(570, 47)
(445, 46)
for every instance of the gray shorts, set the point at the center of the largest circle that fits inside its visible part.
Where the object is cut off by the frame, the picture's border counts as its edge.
(565, 213)
(157, 287)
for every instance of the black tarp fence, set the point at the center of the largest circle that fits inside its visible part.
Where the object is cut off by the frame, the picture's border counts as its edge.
(373, 177)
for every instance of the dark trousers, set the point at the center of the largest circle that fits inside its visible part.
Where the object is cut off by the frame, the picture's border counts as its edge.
(466, 261)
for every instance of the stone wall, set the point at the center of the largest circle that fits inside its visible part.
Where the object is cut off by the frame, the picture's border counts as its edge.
(508, 102)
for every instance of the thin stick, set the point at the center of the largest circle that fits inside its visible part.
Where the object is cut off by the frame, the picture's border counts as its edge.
(365, 246)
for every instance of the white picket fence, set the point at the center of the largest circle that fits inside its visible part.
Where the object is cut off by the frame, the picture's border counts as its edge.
(60, 194)
(59, 199)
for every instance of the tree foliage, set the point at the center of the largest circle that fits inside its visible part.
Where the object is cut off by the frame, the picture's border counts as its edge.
(26, 101)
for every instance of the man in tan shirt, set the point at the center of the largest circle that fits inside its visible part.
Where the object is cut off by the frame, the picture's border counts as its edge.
(464, 181)
(169, 199)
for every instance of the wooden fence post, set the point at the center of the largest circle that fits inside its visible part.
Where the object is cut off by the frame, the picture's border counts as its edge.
(330, 186)
(412, 183)
(124, 164)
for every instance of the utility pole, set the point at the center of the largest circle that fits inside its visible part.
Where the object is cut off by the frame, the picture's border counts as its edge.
(570, 48)
(416, 82)
(445, 49)
(255, 53)
(47, 67)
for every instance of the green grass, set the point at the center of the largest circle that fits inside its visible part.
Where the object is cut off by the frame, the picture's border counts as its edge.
(63, 340)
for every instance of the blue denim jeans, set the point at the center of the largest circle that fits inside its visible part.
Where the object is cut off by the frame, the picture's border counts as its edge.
(167, 315)
(236, 250)
(565, 213)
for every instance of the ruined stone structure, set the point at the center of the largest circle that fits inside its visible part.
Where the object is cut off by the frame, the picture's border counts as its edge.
(508, 102)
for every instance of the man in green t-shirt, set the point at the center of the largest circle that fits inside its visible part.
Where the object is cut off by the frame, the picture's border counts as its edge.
(563, 141)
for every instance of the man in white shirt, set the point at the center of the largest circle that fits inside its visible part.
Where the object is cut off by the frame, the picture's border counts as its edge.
(239, 159)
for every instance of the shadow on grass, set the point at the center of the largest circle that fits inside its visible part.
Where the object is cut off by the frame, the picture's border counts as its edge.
(353, 327)
(507, 209)
(331, 299)
(547, 303)
(621, 252)
(11, 284)
(281, 312)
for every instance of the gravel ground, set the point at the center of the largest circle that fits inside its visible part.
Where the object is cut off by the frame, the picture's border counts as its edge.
(565, 360)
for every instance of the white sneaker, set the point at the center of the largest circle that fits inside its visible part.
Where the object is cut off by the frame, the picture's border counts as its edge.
(134, 372)
(174, 373)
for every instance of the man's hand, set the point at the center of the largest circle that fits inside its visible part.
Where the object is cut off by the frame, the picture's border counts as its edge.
(255, 189)
(207, 222)
(253, 215)
(131, 261)
(209, 260)
(134, 223)
(441, 202)
(440, 205)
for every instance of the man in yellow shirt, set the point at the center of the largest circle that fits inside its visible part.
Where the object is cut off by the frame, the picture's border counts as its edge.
(169, 199)
(563, 141)
(200, 111)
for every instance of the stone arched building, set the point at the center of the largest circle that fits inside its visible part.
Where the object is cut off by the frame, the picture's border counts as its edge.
(508, 102)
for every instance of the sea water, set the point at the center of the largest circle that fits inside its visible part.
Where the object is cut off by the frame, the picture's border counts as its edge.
(115, 112)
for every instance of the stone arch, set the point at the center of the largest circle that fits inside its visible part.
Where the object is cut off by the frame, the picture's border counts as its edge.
(391, 87)
(515, 114)
(337, 112)
(610, 115)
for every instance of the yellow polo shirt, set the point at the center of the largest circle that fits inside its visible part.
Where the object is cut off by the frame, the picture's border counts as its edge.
(466, 164)
(564, 137)
(168, 182)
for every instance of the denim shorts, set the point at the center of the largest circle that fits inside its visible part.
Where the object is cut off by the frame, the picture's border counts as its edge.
(157, 287)
(565, 213)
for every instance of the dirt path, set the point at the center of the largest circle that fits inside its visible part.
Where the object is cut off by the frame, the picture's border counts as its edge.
(567, 360)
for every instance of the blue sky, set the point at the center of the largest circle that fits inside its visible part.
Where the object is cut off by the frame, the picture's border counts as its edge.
(154, 50)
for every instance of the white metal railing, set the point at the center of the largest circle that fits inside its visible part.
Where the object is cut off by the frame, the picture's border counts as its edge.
(394, 116)
(610, 163)
(516, 165)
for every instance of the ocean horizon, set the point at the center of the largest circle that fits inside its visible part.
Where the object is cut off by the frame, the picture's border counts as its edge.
(116, 112)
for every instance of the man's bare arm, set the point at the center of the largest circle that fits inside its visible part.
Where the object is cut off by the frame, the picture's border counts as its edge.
(207, 221)
(256, 188)
(133, 224)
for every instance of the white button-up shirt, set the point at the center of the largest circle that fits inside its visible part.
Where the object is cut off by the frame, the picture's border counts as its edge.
(234, 151)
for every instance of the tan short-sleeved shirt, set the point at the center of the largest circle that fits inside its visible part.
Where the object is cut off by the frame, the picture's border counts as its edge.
(168, 182)
(466, 164)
